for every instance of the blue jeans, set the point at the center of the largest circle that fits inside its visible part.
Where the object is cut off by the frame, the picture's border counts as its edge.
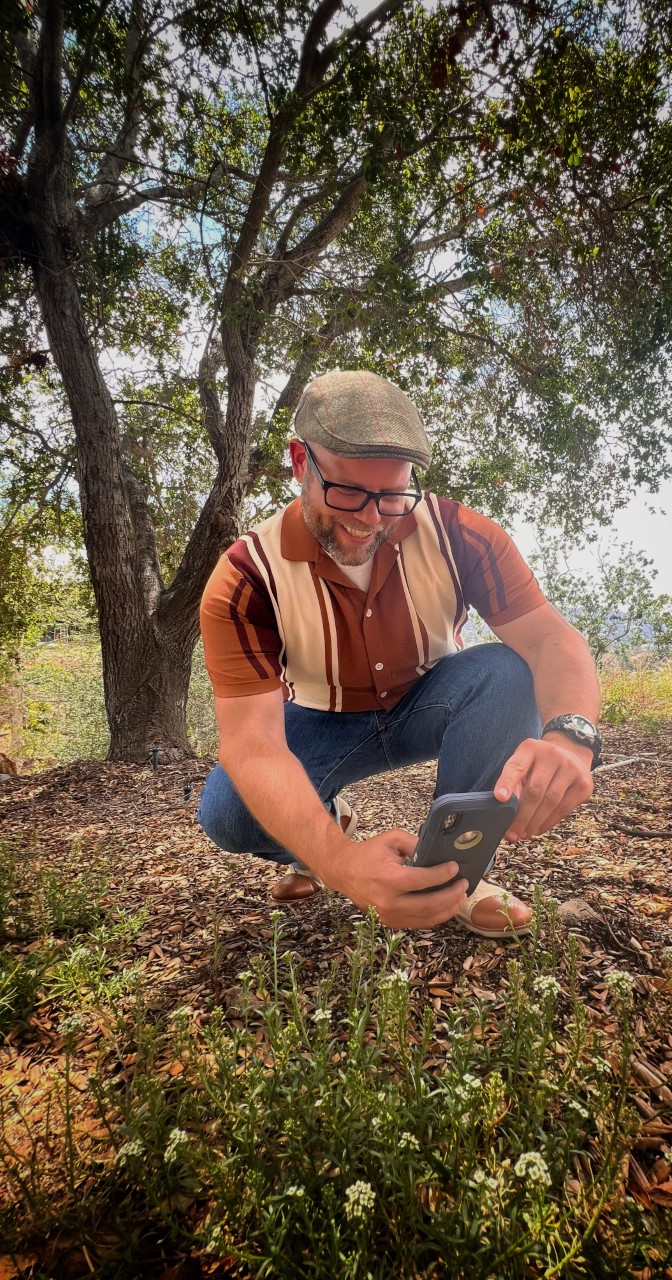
(469, 712)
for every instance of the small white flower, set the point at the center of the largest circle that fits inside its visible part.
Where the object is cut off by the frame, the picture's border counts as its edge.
(619, 983)
(71, 1026)
(397, 978)
(578, 1107)
(602, 1067)
(408, 1141)
(533, 1169)
(298, 1192)
(359, 1200)
(276, 915)
(322, 1016)
(182, 1014)
(177, 1141)
(478, 1176)
(547, 986)
(129, 1151)
(215, 1240)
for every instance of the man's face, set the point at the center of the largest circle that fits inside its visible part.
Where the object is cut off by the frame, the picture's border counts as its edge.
(349, 537)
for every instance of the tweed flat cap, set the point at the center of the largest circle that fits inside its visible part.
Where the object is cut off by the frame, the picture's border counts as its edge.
(357, 414)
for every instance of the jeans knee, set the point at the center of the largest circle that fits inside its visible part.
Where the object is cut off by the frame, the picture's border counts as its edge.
(221, 813)
(511, 668)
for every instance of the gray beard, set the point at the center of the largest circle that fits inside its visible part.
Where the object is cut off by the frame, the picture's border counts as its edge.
(328, 541)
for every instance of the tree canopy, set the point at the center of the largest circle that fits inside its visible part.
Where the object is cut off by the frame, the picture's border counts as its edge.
(201, 205)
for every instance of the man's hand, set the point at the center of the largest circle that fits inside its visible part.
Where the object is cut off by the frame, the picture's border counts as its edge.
(373, 873)
(550, 777)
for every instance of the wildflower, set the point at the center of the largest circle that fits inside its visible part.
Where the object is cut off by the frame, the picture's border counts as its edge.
(183, 1014)
(322, 1016)
(359, 1200)
(575, 1105)
(547, 986)
(129, 1151)
(298, 1192)
(398, 978)
(666, 956)
(533, 1169)
(466, 1089)
(275, 916)
(408, 1141)
(620, 983)
(215, 1240)
(601, 1067)
(72, 1026)
(177, 1141)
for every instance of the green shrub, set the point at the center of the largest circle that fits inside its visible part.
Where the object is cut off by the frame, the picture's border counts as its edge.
(36, 899)
(640, 696)
(19, 985)
(343, 1132)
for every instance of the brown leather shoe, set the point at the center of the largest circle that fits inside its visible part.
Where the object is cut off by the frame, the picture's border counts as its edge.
(295, 887)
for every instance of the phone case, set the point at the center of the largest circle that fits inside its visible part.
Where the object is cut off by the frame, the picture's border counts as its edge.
(465, 828)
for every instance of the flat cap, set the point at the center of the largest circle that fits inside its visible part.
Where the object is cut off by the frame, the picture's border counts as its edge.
(357, 414)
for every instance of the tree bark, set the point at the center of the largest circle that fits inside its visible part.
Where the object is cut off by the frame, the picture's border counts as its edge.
(147, 633)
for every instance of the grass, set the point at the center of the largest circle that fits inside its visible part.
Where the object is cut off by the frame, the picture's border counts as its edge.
(338, 1132)
(640, 696)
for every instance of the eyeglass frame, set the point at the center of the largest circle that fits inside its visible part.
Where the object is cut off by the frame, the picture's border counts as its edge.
(369, 495)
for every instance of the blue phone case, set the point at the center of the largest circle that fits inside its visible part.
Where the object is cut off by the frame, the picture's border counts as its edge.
(465, 828)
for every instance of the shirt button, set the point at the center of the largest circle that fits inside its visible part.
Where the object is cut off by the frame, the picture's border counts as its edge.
(379, 666)
(368, 613)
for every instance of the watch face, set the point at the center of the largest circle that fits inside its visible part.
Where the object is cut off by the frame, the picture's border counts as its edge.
(583, 726)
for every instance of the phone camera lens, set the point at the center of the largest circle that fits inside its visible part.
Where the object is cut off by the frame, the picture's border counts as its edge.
(468, 839)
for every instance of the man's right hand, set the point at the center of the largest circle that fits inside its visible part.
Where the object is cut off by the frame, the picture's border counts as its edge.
(374, 873)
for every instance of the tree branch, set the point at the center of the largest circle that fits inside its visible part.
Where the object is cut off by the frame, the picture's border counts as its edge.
(213, 419)
(101, 215)
(85, 63)
(281, 279)
(48, 69)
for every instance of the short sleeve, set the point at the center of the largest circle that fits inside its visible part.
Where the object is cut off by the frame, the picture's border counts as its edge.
(495, 579)
(240, 636)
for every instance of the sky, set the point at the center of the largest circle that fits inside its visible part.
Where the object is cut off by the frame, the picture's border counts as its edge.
(646, 523)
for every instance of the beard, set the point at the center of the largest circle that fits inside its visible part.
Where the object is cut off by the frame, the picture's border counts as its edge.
(321, 526)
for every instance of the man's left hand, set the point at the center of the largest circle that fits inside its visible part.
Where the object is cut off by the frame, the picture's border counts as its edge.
(550, 777)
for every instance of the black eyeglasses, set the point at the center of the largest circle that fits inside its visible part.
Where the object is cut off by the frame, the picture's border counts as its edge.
(346, 497)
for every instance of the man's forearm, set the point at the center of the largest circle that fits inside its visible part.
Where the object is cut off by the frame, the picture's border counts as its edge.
(565, 677)
(278, 792)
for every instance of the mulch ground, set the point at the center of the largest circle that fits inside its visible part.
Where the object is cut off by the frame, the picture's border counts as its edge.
(608, 866)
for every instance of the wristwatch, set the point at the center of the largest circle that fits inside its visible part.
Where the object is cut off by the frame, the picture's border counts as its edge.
(579, 730)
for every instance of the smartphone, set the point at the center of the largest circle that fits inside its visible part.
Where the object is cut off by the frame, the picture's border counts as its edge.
(465, 828)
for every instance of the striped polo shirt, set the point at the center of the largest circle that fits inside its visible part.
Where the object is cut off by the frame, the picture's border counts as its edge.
(278, 612)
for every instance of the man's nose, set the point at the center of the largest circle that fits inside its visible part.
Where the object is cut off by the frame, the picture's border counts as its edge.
(370, 513)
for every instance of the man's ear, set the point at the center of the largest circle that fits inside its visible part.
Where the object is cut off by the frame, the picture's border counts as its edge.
(299, 457)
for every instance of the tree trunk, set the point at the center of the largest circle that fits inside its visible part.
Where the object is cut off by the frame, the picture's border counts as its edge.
(150, 699)
(147, 633)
